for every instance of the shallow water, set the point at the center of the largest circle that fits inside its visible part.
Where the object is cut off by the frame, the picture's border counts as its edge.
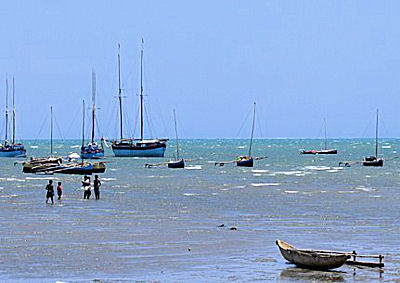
(160, 224)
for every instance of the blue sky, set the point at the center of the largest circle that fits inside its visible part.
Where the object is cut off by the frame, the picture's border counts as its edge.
(301, 61)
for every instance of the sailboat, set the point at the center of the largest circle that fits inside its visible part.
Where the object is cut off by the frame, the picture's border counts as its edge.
(12, 149)
(325, 150)
(178, 163)
(92, 150)
(374, 161)
(136, 147)
(245, 160)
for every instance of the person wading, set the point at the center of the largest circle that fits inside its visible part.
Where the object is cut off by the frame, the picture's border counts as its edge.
(50, 192)
(59, 190)
(96, 186)
(86, 187)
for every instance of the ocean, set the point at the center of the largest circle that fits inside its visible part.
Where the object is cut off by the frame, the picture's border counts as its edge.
(161, 225)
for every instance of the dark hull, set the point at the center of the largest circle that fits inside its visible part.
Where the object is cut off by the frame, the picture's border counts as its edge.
(373, 163)
(245, 163)
(176, 164)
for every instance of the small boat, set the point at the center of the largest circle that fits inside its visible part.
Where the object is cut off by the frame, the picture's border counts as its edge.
(92, 150)
(136, 147)
(247, 161)
(310, 259)
(374, 161)
(325, 150)
(11, 149)
(178, 163)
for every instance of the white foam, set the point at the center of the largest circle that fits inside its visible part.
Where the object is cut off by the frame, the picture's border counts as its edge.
(332, 171)
(34, 146)
(109, 179)
(265, 184)
(288, 173)
(75, 146)
(291, 192)
(318, 168)
(386, 146)
(194, 167)
(190, 194)
(257, 175)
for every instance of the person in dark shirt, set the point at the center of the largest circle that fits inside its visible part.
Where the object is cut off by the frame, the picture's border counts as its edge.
(96, 186)
(50, 192)
(59, 190)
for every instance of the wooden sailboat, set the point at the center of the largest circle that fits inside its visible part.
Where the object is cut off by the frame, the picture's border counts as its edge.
(178, 163)
(92, 150)
(12, 149)
(374, 161)
(136, 147)
(325, 150)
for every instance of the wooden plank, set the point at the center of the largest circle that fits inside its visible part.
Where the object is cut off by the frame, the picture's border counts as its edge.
(365, 263)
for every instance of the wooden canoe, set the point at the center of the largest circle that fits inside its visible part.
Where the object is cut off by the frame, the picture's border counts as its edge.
(311, 259)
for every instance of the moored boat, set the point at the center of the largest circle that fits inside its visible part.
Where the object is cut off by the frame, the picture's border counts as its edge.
(11, 149)
(92, 150)
(247, 161)
(136, 147)
(374, 161)
(311, 259)
(325, 150)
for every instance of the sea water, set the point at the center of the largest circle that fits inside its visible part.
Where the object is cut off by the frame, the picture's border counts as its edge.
(160, 224)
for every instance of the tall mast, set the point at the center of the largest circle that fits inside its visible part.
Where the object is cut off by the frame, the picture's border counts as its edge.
(325, 135)
(93, 102)
(376, 134)
(141, 92)
(252, 129)
(51, 131)
(6, 136)
(119, 90)
(13, 102)
(176, 136)
(83, 123)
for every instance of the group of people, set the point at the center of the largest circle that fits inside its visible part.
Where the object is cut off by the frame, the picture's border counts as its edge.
(86, 189)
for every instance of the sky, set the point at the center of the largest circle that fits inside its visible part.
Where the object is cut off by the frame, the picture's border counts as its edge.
(301, 61)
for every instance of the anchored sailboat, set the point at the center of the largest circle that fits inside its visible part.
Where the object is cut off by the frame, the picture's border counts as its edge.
(374, 161)
(325, 150)
(12, 149)
(136, 147)
(245, 160)
(92, 150)
(178, 163)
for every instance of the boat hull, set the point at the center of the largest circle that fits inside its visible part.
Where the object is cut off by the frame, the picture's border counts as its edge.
(176, 164)
(373, 163)
(13, 153)
(139, 151)
(310, 259)
(245, 162)
(92, 155)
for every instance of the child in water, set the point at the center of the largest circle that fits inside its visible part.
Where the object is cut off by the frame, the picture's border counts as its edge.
(59, 190)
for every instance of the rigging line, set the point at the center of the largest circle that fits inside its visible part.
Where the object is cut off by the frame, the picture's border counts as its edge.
(369, 126)
(41, 129)
(73, 121)
(58, 128)
(136, 121)
(108, 125)
(244, 122)
(128, 130)
(98, 128)
(258, 122)
(150, 124)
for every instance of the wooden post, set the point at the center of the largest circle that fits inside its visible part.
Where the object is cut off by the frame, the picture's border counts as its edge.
(354, 255)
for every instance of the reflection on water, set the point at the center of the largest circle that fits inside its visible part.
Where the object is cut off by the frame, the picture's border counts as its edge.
(300, 274)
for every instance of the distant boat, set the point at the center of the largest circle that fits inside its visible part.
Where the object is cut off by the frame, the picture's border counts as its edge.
(179, 162)
(374, 161)
(325, 150)
(243, 160)
(136, 147)
(12, 149)
(318, 260)
(92, 150)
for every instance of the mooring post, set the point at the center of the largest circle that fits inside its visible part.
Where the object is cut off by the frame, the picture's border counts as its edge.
(380, 259)
(354, 255)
